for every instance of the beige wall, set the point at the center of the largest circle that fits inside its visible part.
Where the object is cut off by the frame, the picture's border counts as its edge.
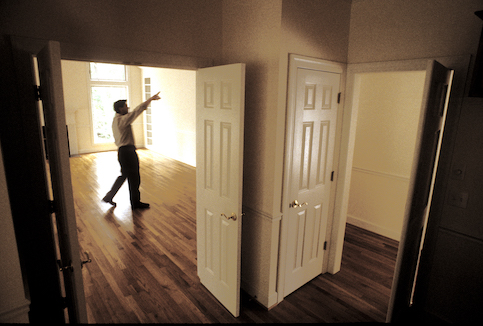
(251, 34)
(75, 78)
(382, 30)
(180, 27)
(174, 116)
(315, 28)
(262, 34)
(388, 114)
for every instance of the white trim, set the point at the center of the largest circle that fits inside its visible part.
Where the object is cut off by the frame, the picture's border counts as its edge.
(261, 214)
(381, 174)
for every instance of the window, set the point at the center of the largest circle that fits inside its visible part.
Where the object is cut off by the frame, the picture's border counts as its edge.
(107, 71)
(108, 83)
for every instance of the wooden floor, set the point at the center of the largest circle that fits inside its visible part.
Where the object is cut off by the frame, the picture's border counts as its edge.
(143, 266)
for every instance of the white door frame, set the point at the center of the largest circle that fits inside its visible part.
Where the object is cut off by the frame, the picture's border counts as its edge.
(296, 62)
(347, 142)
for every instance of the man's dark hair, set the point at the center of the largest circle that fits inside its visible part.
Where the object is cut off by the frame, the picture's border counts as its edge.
(119, 104)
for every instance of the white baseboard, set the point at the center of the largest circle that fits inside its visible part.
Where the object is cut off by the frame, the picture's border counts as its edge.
(395, 235)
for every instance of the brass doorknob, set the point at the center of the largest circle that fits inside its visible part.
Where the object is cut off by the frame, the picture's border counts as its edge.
(296, 204)
(233, 216)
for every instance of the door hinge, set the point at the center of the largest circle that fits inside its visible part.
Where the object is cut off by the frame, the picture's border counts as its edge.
(38, 93)
(63, 268)
(332, 176)
(64, 302)
(338, 97)
(51, 206)
(325, 245)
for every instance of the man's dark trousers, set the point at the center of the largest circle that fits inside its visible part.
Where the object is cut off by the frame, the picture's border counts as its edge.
(129, 161)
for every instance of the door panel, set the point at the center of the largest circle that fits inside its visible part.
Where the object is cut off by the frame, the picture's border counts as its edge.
(220, 99)
(313, 147)
(57, 147)
(430, 132)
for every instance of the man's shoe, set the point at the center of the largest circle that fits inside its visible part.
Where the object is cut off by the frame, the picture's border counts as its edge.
(107, 200)
(140, 205)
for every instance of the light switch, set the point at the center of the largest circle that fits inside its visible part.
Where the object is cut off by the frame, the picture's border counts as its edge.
(458, 199)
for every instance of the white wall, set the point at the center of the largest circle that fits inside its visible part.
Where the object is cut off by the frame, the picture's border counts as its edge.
(388, 113)
(75, 78)
(174, 116)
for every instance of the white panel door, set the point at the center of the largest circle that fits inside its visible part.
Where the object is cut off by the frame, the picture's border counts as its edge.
(58, 151)
(220, 104)
(316, 105)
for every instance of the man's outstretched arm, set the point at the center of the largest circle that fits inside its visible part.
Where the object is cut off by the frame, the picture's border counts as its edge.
(131, 116)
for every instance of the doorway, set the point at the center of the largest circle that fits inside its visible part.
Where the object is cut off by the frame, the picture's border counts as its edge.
(217, 88)
(388, 105)
(430, 129)
(167, 126)
(102, 229)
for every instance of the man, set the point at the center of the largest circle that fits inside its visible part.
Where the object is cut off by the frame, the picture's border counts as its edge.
(127, 156)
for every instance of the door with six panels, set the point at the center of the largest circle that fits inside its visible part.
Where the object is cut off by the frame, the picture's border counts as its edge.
(314, 125)
(220, 104)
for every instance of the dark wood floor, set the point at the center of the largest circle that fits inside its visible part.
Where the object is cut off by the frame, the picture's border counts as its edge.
(143, 266)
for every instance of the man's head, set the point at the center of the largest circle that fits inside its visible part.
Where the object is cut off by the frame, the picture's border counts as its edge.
(121, 106)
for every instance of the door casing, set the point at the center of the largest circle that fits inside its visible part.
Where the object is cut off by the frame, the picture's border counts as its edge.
(31, 47)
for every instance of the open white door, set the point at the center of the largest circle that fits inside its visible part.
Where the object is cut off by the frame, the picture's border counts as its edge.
(220, 104)
(430, 132)
(57, 147)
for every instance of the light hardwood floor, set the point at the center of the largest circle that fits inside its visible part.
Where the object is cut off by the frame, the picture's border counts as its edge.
(143, 266)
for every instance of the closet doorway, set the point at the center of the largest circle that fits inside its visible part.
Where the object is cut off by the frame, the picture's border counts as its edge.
(389, 106)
